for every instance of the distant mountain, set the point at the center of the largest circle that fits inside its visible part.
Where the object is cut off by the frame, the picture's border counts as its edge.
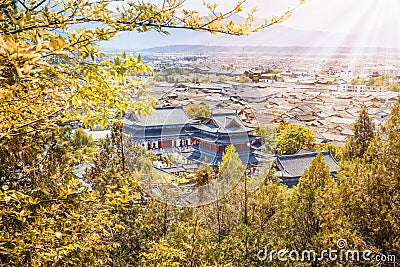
(288, 50)
(275, 36)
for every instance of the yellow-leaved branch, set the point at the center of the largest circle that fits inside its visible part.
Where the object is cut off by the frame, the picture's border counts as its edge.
(53, 70)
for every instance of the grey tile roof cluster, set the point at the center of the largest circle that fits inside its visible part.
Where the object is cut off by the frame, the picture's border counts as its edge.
(292, 166)
(160, 117)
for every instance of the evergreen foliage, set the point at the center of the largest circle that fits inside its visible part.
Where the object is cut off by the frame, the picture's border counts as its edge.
(358, 144)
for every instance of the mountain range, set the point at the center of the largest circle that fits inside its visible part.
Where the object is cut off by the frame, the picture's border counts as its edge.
(275, 36)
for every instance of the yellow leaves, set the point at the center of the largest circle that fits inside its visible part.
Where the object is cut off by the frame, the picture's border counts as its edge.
(27, 67)
(55, 207)
(58, 235)
(210, 6)
(57, 43)
(21, 216)
(20, 53)
(11, 196)
(238, 8)
(27, 16)
(123, 196)
(7, 44)
(162, 254)
(33, 201)
(48, 51)
(102, 123)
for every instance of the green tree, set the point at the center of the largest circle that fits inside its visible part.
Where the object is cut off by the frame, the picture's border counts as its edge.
(268, 134)
(241, 246)
(231, 165)
(335, 150)
(358, 144)
(81, 139)
(290, 137)
(162, 254)
(380, 81)
(298, 223)
(394, 87)
(204, 174)
(47, 215)
(198, 111)
(357, 81)
(244, 79)
(365, 207)
(222, 216)
(135, 222)
(221, 79)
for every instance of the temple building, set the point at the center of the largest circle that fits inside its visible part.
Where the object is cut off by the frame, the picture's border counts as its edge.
(219, 131)
(291, 167)
(165, 127)
(170, 127)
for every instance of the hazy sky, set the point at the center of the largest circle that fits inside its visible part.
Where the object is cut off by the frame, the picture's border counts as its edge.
(377, 20)
(343, 16)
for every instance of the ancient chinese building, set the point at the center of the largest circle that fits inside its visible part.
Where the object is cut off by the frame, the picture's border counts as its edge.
(166, 127)
(219, 131)
(291, 167)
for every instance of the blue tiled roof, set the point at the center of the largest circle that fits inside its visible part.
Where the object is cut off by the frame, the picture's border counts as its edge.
(247, 158)
(292, 166)
(224, 123)
(160, 117)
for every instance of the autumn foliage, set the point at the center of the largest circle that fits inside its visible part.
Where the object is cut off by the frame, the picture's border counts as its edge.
(53, 72)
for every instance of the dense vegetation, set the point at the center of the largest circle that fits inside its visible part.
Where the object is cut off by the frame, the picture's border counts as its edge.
(48, 217)
(52, 71)
(391, 82)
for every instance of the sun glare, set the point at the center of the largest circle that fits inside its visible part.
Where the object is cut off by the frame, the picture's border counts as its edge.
(357, 25)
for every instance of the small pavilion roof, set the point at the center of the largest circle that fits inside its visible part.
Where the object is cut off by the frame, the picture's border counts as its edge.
(226, 122)
(294, 165)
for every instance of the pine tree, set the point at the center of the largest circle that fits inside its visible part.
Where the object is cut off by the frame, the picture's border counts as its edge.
(297, 222)
(368, 194)
(363, 129)
(204, 174)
